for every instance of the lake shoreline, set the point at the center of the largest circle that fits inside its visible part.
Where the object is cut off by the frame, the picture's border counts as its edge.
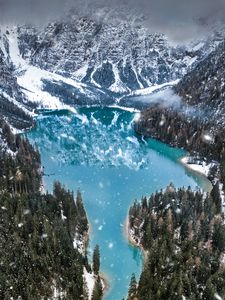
(197, 169)
(132, 241)
(99, 182)
(126, 230)
(106, 284)
(104, 279)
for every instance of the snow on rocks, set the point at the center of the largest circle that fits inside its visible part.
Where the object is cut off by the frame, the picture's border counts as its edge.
(13, 46)
(118, 86)
(79, 243)
(58, 293)
(31, 80)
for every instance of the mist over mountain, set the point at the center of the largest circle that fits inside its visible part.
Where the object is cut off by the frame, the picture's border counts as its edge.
(177, 19)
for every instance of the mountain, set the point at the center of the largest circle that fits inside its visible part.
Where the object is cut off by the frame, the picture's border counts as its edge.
(196, 123)
(89, 61)
(25, 88)
(117, 54)
(204, 86)
(13, 105)
(201, 104)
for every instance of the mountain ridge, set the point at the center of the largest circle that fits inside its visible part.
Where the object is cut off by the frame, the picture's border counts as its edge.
(81, 61)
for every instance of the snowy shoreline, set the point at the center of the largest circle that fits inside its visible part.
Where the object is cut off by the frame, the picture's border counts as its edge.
(201, 169)
(90, 278)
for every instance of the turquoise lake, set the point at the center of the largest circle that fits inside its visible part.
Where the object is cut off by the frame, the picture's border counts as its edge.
(98, 151)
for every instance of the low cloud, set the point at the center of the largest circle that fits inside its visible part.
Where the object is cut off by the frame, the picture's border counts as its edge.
(166, 98)
(180, 20)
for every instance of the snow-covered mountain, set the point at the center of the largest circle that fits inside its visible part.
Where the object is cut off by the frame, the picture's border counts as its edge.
(13, 105)
(85, 61)
(118, 55)
(204, 86)
(25, 87)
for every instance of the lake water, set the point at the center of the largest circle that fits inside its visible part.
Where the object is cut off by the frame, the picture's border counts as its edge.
(97, 151)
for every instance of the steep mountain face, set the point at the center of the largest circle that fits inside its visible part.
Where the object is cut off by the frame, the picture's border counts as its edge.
(197, 124)
(87, 61)
(111, 56)
(118, 55)
(8, 83)
(204, 86)
(13, 104)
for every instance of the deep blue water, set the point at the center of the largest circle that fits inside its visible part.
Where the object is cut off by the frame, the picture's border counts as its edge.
(98, 152)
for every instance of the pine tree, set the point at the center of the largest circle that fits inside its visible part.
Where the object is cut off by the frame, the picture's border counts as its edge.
(96, 260)
(97, 291)
(145, 284)
(148, 236)
(215, 194)
(133, 288)
(209, 292)
(81, 213)
(219, 237)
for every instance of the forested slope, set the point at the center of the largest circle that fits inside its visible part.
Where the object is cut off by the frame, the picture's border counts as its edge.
(39, 232)
(183, 235)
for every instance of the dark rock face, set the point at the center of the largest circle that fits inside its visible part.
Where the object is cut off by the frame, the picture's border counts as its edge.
(104, 75)
(71, 95)
(204, 86)
(8, 83)
(128, 76)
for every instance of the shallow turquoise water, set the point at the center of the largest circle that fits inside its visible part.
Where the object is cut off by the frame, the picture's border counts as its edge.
(98, 152)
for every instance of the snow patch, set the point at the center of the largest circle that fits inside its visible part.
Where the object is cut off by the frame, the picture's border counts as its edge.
(218, 297)
(90, 280)
(154, 88)
(14, 52)
(222, 195)
(81, 73)
(202, 167)
(137, 117)
(78, 244)
(118, 86)
(32, 84)
(110, 245)
(129, 109)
